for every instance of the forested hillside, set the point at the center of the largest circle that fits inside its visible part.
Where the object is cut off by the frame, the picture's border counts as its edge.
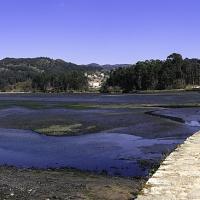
(48, 75)
(173, 73)
(42, 74)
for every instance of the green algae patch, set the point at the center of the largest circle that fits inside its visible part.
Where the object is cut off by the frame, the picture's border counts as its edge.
(59, 130)
(26, 104)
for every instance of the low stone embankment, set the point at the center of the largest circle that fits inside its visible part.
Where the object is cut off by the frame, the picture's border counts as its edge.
(178, 177)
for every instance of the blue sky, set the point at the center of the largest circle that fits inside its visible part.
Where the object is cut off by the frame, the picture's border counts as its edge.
(102, 31)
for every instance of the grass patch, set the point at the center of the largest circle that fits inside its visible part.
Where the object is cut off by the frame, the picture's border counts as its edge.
(75, 106)
(84, 106)
(26, 104)
(58, 130)
(128, 106)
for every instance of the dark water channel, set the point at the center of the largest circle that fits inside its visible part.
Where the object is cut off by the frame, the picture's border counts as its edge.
(114, 153)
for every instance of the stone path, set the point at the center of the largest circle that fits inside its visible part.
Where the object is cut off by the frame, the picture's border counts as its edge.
(178, 178)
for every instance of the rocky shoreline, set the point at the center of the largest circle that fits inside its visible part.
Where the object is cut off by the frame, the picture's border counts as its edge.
(31, 184)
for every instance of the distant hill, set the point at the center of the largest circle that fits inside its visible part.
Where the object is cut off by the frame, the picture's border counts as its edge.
(93, 65)
(43, 64)
(41, 74)
(108, 66)
(46, 74)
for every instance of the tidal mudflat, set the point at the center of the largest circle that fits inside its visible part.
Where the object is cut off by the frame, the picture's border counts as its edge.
(109, 135)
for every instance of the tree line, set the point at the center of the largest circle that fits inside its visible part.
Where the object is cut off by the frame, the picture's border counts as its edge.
(65, 82)
(173, 73)
(48, 75)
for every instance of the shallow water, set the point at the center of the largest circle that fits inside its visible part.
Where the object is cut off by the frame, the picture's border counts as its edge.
(190, 116)
(127, 138)
(160, 98)
(117, 154)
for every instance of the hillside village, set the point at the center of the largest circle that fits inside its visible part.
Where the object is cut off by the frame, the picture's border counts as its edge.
(96, 79)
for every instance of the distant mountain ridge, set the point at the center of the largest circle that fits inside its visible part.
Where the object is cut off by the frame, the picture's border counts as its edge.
(108, 66)
(42, 74)
(48, 63)
(44, 63)
(46, 74)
